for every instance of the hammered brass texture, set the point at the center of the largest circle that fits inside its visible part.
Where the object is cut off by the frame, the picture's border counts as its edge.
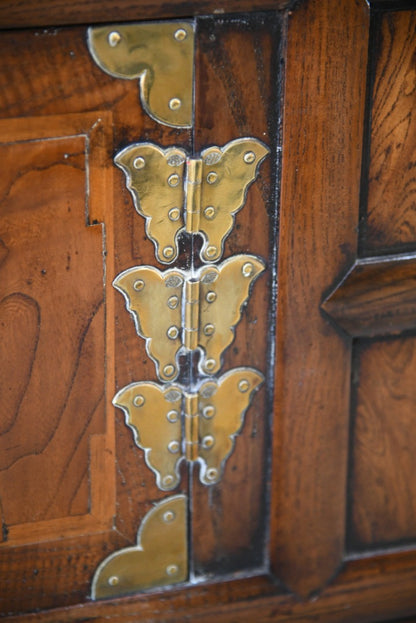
(156, 300)
(160, 55)
(212, 417)
(160, 557)
(202, 196)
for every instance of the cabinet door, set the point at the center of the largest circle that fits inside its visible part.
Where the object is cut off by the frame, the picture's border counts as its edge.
(314, 515)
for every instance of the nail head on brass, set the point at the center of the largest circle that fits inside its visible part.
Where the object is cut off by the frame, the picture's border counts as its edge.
(249, 157)
(168, 516)
(173, 302)
(209, 364)
(247, 269)
(168, 252)
(212, 177)
(208, 441)
(211, 251)
(211, 296)
(174, 446)
(173, 332)
(180, 34)
(212, 473)
(243, 386)
(174, 214)
(172, 569)
(167, 480)
(139, 400)
(113, 580)
(209, 329)
(139, 162)
(209, 212)
(169, 370)
(173, 180)
(172, 416)
(114, 38)
(138, 285)
(175, 103)
(208, 412)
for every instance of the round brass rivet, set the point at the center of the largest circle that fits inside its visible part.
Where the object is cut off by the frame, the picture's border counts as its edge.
(168, 516)
(209, 329)
(173, 332)
(138, 162)
(138, 400)
(168, 252)
(212, 177)
(169, 370)
(249, 157)
(243, 385)
(180, 34)
(114, 38)
(212, 473)
(138, 285)
(172, 569)
(173, 180)
(113, 580)
(208, 412)
(247, 269)
(209, 364)
(172, 416)
(173, 302)
(209, 212)
(173, 446)
(167, 480)
(211, 251)
(210, 296)
(208, 441)
(174, 214)
(175, 103)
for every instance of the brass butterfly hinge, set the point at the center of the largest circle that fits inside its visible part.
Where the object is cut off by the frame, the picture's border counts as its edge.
(178, 309)
(160, 557)
(176, 193)
(213, 415)
(160, 55)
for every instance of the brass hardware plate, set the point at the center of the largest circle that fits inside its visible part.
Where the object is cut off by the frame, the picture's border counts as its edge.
(178, 308)
(175, 193)
(212, 417)
(160, 557)
(160, 55)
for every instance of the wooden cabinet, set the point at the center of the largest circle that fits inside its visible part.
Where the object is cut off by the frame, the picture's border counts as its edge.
(314, 516)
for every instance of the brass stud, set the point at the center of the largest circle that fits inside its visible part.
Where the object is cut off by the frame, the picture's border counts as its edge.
(174, 214)
(212, 473)
(168, 480)
(211, 251)
(169, 370)
(139, 162)
(209, 329)
(175, 103)
(138, 285)
(173, 302)
(114, 38)
(174, 446)
(168, 252)
(208, 412)
(172, 416)
(172, 569)
(209, 212)
(113, 580)
(212, 177)
(168, 516)
(173, 180)
(208, 441)
(173, 332)
(249, 157)
(139, 400)
(243, 386)
(210, 296)
(180, 34)
(210, 364)
(247, 269)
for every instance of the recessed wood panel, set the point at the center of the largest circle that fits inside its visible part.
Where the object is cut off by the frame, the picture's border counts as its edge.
(382, 484)
(391, 209)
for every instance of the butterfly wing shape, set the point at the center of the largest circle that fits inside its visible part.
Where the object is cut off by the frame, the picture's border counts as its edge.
(223, 291)
(155, 179)
(153, 413)
(226, 176)
(154, 299)
(222, 407)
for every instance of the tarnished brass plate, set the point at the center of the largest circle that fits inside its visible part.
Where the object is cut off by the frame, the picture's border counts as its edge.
(201, 196)
(157, 299)
(155, 414)
(160, 55)
(160, 557)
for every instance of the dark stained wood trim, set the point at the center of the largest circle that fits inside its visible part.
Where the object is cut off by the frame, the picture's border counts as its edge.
(34, 13)
(377, 297)
(322, 144)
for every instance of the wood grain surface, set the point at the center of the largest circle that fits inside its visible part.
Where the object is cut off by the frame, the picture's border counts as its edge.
(391, 209)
